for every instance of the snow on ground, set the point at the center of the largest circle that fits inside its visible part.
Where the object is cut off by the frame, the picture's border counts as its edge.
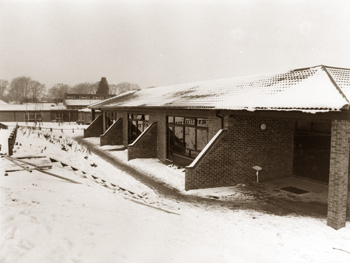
(45, 219)
(170, 175)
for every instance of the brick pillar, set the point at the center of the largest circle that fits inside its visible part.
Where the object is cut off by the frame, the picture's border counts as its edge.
(338, 174)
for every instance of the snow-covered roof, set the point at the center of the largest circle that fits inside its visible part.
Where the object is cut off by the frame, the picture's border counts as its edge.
(86, 110)
(80, 102)
(32, 107)
(314, 89)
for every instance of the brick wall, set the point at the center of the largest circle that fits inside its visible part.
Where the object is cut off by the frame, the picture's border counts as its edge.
(114, 134)
(124, 116)
(95, 128)
(241, 147)
(145, 146)
(338, 174)
(160, 119)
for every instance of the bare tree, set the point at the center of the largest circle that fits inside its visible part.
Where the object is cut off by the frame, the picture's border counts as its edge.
(3, 87)
(23, 89)
(84, 88)
(36, 91)
(58, 91)
(19, 89)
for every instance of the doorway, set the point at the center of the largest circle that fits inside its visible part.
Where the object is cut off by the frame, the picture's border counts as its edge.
(312, 143)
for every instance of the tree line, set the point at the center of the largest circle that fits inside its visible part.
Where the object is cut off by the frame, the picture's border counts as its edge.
(23, 90)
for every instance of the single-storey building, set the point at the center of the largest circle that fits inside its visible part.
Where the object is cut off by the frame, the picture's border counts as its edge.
(80, 101)
(36, 112)
(292, 123)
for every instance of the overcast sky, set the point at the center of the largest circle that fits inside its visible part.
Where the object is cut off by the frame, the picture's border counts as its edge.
(154, 43)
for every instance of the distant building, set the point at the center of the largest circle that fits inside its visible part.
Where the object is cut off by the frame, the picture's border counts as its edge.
(36, 112)
(81, 101)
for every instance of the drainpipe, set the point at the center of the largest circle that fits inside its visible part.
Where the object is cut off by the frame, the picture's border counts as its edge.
(222, 119)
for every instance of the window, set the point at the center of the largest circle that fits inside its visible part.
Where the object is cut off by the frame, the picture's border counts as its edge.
(137, 124)
(111, 117)
(186, 136)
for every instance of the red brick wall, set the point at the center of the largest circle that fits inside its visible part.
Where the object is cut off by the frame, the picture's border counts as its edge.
(243, 146)
(146, 144)
(114, 134)
(95, 129)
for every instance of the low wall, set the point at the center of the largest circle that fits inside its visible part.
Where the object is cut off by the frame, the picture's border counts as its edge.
(145, 146)
(244, 145)
(95, 129)
(113, 135)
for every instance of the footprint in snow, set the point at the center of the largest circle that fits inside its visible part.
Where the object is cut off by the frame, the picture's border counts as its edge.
(11, 232)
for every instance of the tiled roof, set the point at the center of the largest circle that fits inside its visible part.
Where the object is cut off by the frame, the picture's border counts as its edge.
(313, 89)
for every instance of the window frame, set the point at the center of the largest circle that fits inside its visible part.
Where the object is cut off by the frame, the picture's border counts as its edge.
(174, 122)
(140, 120)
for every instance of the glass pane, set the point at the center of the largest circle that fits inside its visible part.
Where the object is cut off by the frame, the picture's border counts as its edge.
(170, 137)
(170, 119)
(139, 116)
(194, 154)
(190, 121)
(145, 125)
(190, 138)
(140, 126)
(147, 117)
(130, 116)
(178, 140)
(202, 139)
(179, 120)
(202, 122)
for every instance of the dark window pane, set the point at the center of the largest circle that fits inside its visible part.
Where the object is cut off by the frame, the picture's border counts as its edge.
(179, 120)
(202, 122)
(178, 140)
(190, 138)
(170, 119)
(323, 127)
(190, 121)
(140, 126)
(194, 154)
(202, 138)
(304, 125)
